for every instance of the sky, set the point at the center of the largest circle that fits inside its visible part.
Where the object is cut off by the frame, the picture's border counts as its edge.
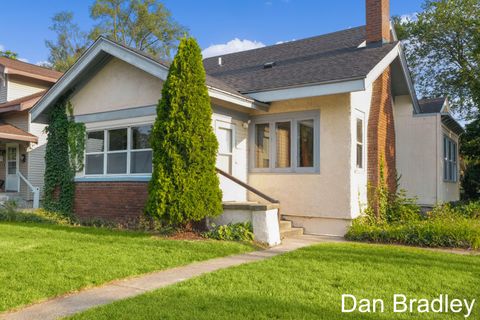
(219, 26)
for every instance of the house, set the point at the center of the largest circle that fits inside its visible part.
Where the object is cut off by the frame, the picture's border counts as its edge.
(308, 123)
(22, 142)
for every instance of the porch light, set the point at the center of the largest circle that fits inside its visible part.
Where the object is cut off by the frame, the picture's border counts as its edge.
(24, 157)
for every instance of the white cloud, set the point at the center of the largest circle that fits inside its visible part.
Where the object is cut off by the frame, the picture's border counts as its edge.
(280, 42)
(2, 48)
(23, 60)
(231, 46)
(408, 17)
(44, 63)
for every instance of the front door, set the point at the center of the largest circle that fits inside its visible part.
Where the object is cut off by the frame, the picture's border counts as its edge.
(12, 180)
(225, 133)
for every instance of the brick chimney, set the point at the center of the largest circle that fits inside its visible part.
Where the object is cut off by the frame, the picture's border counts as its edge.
(378, 21)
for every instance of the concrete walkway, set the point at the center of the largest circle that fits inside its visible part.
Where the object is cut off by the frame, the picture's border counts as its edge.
(121, 289)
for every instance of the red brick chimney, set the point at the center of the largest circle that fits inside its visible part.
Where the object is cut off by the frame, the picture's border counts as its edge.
(378, 21)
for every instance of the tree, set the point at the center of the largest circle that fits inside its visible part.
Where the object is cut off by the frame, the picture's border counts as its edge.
(71, 42)
(184, 185)
(443, 49)
(142, 24)
(470, 151)
(9, 54)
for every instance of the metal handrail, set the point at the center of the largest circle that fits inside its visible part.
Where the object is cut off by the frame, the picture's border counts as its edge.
(246, 186)
(35, 191)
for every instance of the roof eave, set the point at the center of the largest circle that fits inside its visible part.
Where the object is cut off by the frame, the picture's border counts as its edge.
(449, 121)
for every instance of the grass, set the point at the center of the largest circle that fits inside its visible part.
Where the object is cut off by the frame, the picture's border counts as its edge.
(39, 261)
(308, 284)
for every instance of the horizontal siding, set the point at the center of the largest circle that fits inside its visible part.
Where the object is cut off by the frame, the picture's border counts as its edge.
(36, 156)
(18, 89)
(3, 90)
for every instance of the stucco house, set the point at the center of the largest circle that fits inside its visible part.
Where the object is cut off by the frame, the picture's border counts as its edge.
(22, 142)
(305, 122)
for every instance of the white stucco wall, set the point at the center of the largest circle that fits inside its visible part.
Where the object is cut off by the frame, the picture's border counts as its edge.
(118, 85)
(325, 194)
(419, 147)
(360, 108)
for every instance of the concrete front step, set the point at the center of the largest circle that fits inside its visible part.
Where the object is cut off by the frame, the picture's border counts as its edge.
(285, 225)
(293, 232)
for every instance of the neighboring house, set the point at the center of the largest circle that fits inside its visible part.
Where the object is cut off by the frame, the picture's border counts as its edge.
(427, 151)
(307, 122)
(22, 143)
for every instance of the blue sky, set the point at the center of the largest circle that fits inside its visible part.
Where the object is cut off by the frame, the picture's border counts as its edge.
(212, 22)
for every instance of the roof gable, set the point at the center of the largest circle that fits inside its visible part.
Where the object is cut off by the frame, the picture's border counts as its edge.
(100, 53)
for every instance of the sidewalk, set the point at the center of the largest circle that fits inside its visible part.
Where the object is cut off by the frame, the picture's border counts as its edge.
(122, 289)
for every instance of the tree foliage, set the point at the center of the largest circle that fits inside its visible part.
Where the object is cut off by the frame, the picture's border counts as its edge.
(443, 49)
(142, 24)
(470, 151)
(71, 42)
(9, 54)
(145, 25)
(184, 184)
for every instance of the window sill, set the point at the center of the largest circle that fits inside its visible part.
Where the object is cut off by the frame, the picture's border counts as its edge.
(122, 178)
(280, 171)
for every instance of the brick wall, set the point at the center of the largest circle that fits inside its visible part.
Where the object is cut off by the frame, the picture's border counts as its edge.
(110, 201)
(378, 20)
(381, 133)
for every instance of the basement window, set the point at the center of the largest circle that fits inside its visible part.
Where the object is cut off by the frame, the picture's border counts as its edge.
(285, 143)
(119, 151)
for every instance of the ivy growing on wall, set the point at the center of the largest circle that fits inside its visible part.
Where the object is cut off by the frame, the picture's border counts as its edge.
(63, 157)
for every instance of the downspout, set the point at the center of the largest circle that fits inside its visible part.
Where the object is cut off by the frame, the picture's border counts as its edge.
(437, 122)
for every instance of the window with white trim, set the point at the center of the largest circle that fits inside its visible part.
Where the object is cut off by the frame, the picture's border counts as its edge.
(285, 143)
(119, 151)
(450, 170)
(359, 147)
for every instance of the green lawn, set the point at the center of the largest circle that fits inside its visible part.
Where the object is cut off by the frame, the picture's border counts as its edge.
(308, 284)
(39, 261)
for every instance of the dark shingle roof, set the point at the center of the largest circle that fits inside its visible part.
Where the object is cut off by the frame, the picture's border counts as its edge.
(210, 81)
(431, 105)
(326, 58)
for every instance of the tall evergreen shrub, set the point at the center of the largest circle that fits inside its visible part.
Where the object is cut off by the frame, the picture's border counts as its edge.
(184, 185)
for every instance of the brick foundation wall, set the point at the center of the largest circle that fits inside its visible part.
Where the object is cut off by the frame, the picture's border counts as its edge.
(121, 202)
(381, 133)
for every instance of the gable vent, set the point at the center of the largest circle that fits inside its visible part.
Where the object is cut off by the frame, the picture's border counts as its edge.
(269, 65)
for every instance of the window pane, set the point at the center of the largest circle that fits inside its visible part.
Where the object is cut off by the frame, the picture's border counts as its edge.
(360, 130)
(95, 141)
(359, 156)
(224, 162)
(117, 139)
(141, 137)
(282, 130)
(305, 143)
(12, 167)
(262, 145)
(141, 162)
(94, 164)
(117, 162)
(224, 136)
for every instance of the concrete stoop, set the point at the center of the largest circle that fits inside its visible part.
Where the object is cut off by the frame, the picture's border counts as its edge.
(288, 231)
(13, 197)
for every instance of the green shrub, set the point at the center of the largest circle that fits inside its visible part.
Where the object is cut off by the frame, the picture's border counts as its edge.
(184, 185)
(439, 232)
(231, 232)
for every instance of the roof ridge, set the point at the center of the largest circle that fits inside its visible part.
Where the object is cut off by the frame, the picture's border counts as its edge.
(28, 63)
(286, 42)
